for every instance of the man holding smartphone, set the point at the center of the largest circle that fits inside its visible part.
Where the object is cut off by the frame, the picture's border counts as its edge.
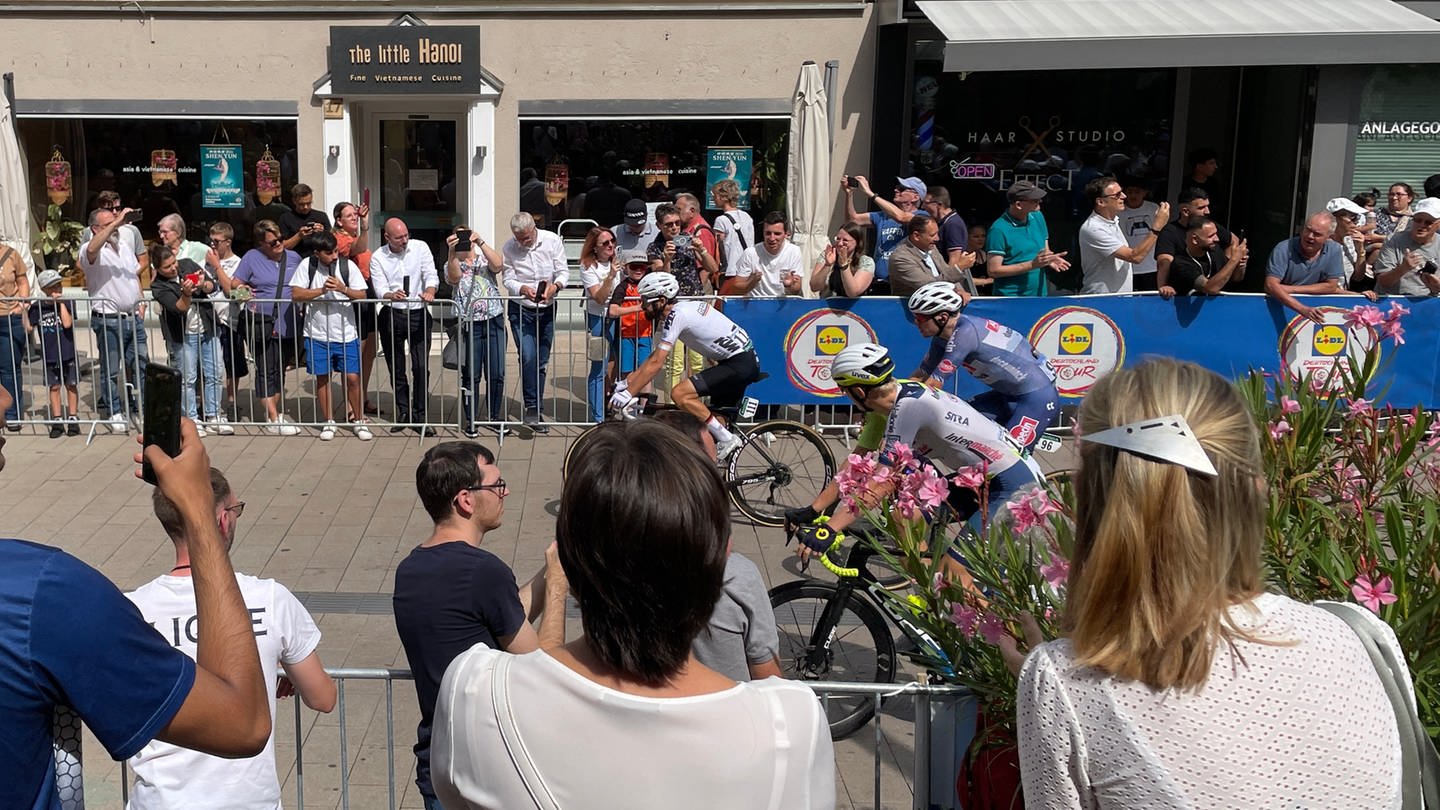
(112, 280)
(404, 274)
(1407, 263)
(535, 272)
(302, 221)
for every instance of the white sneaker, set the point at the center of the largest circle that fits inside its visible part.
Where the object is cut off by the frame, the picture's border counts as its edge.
(200, 430)
(328, 432)
(281, 427)
(220, 427)
(119, 425)
(724, 448)
(362, 432)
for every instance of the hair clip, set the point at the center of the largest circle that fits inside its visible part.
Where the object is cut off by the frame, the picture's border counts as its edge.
(1166, 439)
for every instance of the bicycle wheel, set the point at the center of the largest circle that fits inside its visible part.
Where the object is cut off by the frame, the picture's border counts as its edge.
(573, 448)
(861, 648)
(782, 465)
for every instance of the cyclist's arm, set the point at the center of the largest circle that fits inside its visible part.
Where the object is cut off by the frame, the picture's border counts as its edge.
(641, 377)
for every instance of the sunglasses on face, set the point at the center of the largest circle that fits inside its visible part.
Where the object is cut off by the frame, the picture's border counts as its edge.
(273, 243)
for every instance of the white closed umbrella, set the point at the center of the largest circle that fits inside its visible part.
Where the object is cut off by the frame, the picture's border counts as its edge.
(15, 227)
(809, 191)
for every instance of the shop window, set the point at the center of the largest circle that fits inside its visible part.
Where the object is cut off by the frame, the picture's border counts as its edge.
(590, 169)
(155, 166)
(1398, 139)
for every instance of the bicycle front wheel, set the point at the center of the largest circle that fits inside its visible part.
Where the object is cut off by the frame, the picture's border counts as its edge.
(782, 465)
(860, 649)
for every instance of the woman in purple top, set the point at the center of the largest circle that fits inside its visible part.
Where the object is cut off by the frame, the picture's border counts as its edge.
(265, 270)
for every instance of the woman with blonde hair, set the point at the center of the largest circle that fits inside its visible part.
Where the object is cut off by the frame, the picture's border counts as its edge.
(1180, 682)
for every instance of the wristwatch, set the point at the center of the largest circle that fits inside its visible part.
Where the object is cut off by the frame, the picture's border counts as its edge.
(1152, 230)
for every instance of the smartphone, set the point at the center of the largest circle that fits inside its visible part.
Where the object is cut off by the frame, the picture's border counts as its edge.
(132, 217)
(462, 240)
(405, 284)
(162, 413)
(365, 197)
(1429, 268)
(193, 278)
(853, 182)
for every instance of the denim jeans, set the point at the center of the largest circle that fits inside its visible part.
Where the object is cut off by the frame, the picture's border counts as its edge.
(533, 329)
(597, 326)
(121, 340)
(485, 356)
(12, 356)
(198, 355)
(399, 329)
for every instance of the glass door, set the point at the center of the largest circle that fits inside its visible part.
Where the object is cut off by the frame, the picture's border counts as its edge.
(420, 178)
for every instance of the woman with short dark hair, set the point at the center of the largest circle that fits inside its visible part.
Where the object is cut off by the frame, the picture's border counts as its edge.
(625, 717)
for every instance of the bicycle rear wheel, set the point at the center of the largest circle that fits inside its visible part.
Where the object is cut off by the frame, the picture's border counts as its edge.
(861, 647)
(782, 465)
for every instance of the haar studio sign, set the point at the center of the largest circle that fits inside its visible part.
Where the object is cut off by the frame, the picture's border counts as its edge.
(404, 59)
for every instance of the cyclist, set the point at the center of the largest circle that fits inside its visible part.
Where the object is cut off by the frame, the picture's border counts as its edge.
(938, 426)
(705, 330)
(1022, 394)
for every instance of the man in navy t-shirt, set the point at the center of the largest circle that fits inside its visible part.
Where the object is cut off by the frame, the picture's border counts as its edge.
(68, 637)
(450, 594)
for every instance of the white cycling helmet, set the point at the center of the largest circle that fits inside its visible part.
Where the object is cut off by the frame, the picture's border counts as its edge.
(936, 297)
(658, 285)
(862, 364)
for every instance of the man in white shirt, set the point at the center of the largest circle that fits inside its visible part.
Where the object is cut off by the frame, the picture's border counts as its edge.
(130, 238)
(535, 272)
(1135, 221)
(112, 277)
(773, 268)
(169, 776)
(1105, 255)
(404, 274)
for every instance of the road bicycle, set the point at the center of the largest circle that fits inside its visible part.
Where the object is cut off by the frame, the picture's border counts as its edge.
(779, 465)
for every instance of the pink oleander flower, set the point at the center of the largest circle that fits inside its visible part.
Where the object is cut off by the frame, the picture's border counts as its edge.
(1028, 509)
(966, 618)
(1279, 430)
(1371, 595)
(1397, 311)
(991, 629)
(929, 488)
(1359, 407)
(1363, 317)
(901, 456)
(906, 506)
(1288, 405)
(1394, 331)
(972, 477)
(1057, 571)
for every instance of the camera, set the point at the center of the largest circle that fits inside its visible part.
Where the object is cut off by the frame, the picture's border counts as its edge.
(853, 182)
(1428, 268)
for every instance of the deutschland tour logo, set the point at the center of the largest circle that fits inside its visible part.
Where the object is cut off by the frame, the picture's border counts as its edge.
(1083, 345)
(1317, 351)
(814, 340)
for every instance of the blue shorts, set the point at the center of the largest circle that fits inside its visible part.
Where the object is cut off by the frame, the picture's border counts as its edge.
(633, 352)
(1026, 417)
(325, 357)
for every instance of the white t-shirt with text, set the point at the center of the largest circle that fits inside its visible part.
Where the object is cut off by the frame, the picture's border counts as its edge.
(1135, 223)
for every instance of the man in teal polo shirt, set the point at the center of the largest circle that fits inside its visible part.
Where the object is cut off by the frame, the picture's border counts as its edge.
(1018, 246)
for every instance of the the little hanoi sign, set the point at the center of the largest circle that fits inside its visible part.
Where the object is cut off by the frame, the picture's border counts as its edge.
(404, 59)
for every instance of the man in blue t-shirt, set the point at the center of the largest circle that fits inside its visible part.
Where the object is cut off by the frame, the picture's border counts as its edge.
(68, 637)
(1308, 264)
(1017, 248)
(450, 594)
(889, 222)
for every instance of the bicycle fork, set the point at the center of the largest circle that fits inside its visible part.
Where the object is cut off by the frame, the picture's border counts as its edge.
(817, 651)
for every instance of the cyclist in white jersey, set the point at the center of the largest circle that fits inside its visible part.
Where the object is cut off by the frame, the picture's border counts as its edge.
(938, 426)
(707, 331)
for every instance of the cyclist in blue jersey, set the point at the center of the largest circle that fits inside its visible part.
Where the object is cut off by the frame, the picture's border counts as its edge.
(939, 427)
(1022, 394)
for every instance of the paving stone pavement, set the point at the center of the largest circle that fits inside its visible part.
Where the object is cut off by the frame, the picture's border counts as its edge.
(331, 520)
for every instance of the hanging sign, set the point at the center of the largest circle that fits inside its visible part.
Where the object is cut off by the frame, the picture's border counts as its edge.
(163, 167)
(557, 183)
(657, 169)
(58, 178)
(221, 185)
(267, 178)
(730, 163)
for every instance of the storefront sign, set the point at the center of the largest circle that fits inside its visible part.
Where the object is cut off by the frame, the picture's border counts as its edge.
(405, 59)
(730, 163)
(1399, 130)
(221, 184)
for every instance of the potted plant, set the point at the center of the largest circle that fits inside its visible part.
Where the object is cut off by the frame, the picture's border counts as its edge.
(60, 240)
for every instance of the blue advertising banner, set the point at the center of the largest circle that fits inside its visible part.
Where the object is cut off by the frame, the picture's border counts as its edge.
(730, 163)
(1088, 337)
(222, 179)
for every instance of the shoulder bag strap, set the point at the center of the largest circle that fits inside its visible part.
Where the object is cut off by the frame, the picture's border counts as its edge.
(1420, 776)
(738, 232)
(510, 736)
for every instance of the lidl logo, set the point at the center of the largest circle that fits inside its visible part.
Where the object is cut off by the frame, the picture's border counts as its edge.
(830, 339)
(1076, 338)
(1329, 340)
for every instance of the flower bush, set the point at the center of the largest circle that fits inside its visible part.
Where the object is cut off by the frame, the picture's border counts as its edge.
(1352, 516)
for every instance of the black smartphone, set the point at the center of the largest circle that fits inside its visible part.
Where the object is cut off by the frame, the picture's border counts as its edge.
(405, 283)
(1428, 268)
(853, 182)
(132, 217)
(162, 413)
(540, 290)
(462, 240)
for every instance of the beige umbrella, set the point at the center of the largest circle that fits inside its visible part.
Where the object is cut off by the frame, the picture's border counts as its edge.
(15, 224)
(808, 190)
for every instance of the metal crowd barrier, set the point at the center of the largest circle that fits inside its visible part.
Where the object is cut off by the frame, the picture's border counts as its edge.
(923, 716)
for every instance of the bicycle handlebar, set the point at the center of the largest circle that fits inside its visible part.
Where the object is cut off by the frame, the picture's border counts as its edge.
(843, 573)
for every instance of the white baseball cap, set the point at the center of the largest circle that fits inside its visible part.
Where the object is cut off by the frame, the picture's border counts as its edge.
(1429, 206)
(1339, 204)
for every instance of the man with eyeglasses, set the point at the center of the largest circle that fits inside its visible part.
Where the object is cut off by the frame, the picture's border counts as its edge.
(889, 222)
(112, 280)
(536, 270)
(1106, 257)
(450, 594)
(130, 238)
(403, 273)
(172, 235)
(286, 636)
(1407, 263)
